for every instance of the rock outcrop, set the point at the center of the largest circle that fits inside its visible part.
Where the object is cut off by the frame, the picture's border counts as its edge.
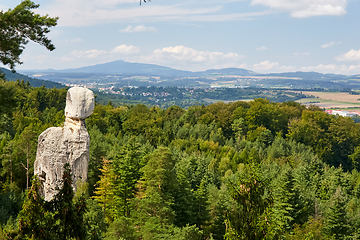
(69, 144)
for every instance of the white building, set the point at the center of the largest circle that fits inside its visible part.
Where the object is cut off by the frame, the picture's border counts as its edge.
(343, 113)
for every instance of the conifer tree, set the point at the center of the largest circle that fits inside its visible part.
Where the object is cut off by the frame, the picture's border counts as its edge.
(184, 199)
(284, 202)
(155, 208)
(201, 196)
(336, 224)
(59, 219)
(35, 219)
(68, 216)
(105, 190)
(126, 164)
(250, 220)
(239, 128)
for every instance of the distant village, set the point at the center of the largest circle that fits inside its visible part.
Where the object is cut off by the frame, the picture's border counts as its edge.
(343, 113)
(187, 92)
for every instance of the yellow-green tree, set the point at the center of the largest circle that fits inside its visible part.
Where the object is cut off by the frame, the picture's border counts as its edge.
(104, 190)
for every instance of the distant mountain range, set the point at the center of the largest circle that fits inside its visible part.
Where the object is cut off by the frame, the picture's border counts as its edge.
(123, 68)
(10, 76)
(126, 68)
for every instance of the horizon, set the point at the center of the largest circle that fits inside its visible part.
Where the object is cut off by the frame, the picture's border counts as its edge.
(264, 36)
(266, 73)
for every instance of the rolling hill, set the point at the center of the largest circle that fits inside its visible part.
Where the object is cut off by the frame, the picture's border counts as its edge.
(10, 76)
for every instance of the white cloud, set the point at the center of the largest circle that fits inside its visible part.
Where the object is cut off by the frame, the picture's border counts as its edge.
(139, 28)
(126, 49)
(324, 68)
(93, 12)
(306, 8)
(178, 57)
(261, 48)
(95, 56)
(211, 17)
(182, 54)
(88, 54)
(268, 66)
(301, 53)
(333, 68)
(326, 45)
(352, 55)
(272, 67)
(265, 65)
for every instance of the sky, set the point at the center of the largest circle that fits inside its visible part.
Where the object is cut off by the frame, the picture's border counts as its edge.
(264, 36)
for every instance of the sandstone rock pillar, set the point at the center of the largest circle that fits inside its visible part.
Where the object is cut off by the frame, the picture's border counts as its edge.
(69, 144)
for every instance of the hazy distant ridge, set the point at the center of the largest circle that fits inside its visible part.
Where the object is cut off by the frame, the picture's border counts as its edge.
(10, 76)
(126, 68)
(121, 67)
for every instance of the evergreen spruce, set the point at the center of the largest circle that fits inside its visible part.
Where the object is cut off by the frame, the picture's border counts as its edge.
(337, 224)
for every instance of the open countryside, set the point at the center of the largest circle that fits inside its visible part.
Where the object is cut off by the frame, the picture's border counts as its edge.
(179, 120)
(330, 100)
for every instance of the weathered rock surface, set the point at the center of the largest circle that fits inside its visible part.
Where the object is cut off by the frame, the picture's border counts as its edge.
(79, 103)
(68, 144)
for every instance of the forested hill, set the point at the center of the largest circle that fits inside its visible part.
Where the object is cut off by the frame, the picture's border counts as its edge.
(10, 76)
(243, 170)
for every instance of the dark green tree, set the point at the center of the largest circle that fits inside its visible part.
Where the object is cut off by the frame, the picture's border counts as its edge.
(62, 218)
(20, 25)
(250, 218)
(35, 219)
(156, 215)
(68, 216)
(126, 163)
(7, 104)
(337, 224)
(284, 202)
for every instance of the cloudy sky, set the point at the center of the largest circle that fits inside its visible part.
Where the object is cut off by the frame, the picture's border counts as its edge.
(259, 35)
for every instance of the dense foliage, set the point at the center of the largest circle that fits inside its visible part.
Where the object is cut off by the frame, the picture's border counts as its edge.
(11, 76)
(20, 25)
(242, 170)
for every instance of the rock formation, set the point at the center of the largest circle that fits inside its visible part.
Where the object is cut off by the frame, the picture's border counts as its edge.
(68, 144)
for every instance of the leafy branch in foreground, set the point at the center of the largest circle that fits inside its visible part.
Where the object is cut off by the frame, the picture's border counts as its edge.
(20, 25)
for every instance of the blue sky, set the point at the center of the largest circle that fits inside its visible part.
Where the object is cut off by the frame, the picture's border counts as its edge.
(260, 35)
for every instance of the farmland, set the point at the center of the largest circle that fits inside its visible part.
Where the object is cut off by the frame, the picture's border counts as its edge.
(330, 99)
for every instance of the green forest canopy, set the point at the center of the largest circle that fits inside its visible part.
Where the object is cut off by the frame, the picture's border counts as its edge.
(242, 170)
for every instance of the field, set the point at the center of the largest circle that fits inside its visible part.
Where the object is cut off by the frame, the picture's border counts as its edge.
(331, 99)
(335, 96)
